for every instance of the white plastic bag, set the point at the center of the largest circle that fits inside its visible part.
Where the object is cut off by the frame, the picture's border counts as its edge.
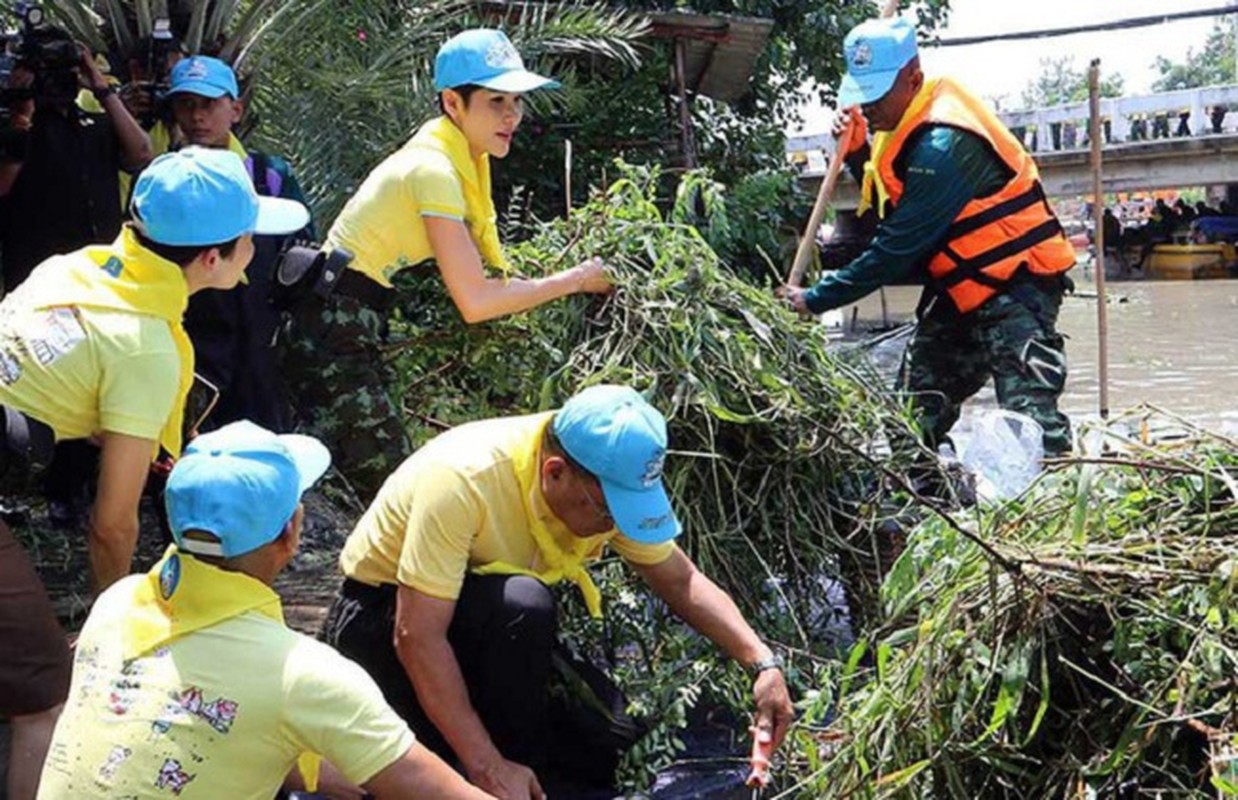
(1005, 453)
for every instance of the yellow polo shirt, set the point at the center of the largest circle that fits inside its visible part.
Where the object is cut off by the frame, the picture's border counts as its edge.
(432, 175)
(84, 370)
(220, 712)
(456, 504)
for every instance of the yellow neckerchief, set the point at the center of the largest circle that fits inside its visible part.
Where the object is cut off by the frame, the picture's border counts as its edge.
(181, 595)
(559, 563)
(873, 192)
(442, 136)
(122, 276)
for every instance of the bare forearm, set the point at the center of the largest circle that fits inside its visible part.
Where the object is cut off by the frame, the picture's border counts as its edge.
(135, 147)
(499, 298)
(110, 547)
(422, 774)
(435, 674)
(714, 614)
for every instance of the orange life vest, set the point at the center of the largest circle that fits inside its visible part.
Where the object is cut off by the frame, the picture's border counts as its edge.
(993, 236)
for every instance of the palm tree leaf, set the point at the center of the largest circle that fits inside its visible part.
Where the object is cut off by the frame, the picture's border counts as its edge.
(81, 20)
(222, 13)
(197, 24)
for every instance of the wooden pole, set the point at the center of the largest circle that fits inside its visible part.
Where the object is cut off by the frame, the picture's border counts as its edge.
(1098, 235)
(567, 175)
(803, 253)
(687, 144)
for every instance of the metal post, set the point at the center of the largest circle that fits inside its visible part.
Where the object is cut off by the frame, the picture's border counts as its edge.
(1098, 235)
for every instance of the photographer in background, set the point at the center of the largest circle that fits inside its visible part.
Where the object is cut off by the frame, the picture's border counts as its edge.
(66, 138)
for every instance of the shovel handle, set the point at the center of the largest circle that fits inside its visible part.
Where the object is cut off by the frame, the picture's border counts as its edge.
(803, 253)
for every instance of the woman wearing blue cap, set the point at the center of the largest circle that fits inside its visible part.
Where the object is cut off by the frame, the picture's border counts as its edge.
(428, 201)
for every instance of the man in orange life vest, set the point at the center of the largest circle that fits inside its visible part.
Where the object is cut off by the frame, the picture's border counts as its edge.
(963, 209)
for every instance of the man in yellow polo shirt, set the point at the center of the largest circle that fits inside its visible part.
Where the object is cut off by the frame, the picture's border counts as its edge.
(446, 600)
(427, 203)
(91, 346)
(186, 682)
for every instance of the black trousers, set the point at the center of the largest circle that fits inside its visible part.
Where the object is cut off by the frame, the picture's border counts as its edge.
(542, 707)
(503, 634)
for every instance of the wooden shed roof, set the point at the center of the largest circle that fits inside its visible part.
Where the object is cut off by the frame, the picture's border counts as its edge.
(720, 52)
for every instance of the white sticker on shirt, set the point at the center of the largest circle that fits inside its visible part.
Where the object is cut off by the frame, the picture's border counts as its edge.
(54, 333)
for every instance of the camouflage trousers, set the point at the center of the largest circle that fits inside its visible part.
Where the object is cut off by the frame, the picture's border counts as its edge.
(1012, 339)
(337, 379)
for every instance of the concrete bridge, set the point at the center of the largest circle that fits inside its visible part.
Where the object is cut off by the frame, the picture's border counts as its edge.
(1155, 141)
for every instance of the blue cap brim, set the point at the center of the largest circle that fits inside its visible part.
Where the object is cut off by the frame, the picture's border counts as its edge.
(277, 215)
(518, 81)
(868, 89)
(200, 88)
(643, 516)
(311, 456)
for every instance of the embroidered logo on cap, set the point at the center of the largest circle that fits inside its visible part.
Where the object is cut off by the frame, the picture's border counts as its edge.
(863, 55)
(502, 55)
(196, 69)
(653, 469)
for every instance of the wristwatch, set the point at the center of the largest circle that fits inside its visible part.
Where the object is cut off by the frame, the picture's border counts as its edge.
(102, 94)
(773, 662)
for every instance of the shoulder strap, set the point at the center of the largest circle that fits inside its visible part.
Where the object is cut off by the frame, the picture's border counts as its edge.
(261, 180)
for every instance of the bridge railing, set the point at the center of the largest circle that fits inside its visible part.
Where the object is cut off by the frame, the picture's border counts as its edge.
(1137, 118)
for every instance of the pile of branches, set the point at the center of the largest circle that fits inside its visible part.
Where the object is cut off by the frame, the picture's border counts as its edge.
(1081, 641)
(780, 461)
(777, 447)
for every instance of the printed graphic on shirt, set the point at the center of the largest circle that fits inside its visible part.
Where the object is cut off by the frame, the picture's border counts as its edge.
(114, 759)
(44, 337)
(173, 776)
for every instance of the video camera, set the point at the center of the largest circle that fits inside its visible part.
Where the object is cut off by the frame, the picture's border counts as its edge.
(46, 51)
(152, 72)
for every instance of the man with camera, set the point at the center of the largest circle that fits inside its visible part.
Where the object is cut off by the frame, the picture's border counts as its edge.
(64, 138)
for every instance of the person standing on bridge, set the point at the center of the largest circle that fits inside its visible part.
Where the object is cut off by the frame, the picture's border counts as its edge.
(963, 211)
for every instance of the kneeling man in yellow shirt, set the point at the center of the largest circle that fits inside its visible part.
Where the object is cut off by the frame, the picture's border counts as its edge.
(92, 347)
(446, 600)
(186, 681)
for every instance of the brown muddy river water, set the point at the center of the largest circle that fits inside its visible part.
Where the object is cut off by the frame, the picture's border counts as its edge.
(1173, 344)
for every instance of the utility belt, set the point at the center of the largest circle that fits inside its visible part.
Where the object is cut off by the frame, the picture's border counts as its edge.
(27, 442)
(305, 272)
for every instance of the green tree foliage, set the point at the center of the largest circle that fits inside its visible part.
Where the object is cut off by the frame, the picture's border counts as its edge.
(1212, 65)
(1061, 82)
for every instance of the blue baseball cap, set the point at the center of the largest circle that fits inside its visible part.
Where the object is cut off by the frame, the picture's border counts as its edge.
(621, 439)
(875, 51)
(204, 196)
(204, 75)
(241, 484)
(485, 57)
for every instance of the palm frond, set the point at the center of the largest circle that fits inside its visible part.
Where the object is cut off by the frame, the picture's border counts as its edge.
(145, 19)
(120, 26)
(81, 20)
(197, 24)
(221, 14)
